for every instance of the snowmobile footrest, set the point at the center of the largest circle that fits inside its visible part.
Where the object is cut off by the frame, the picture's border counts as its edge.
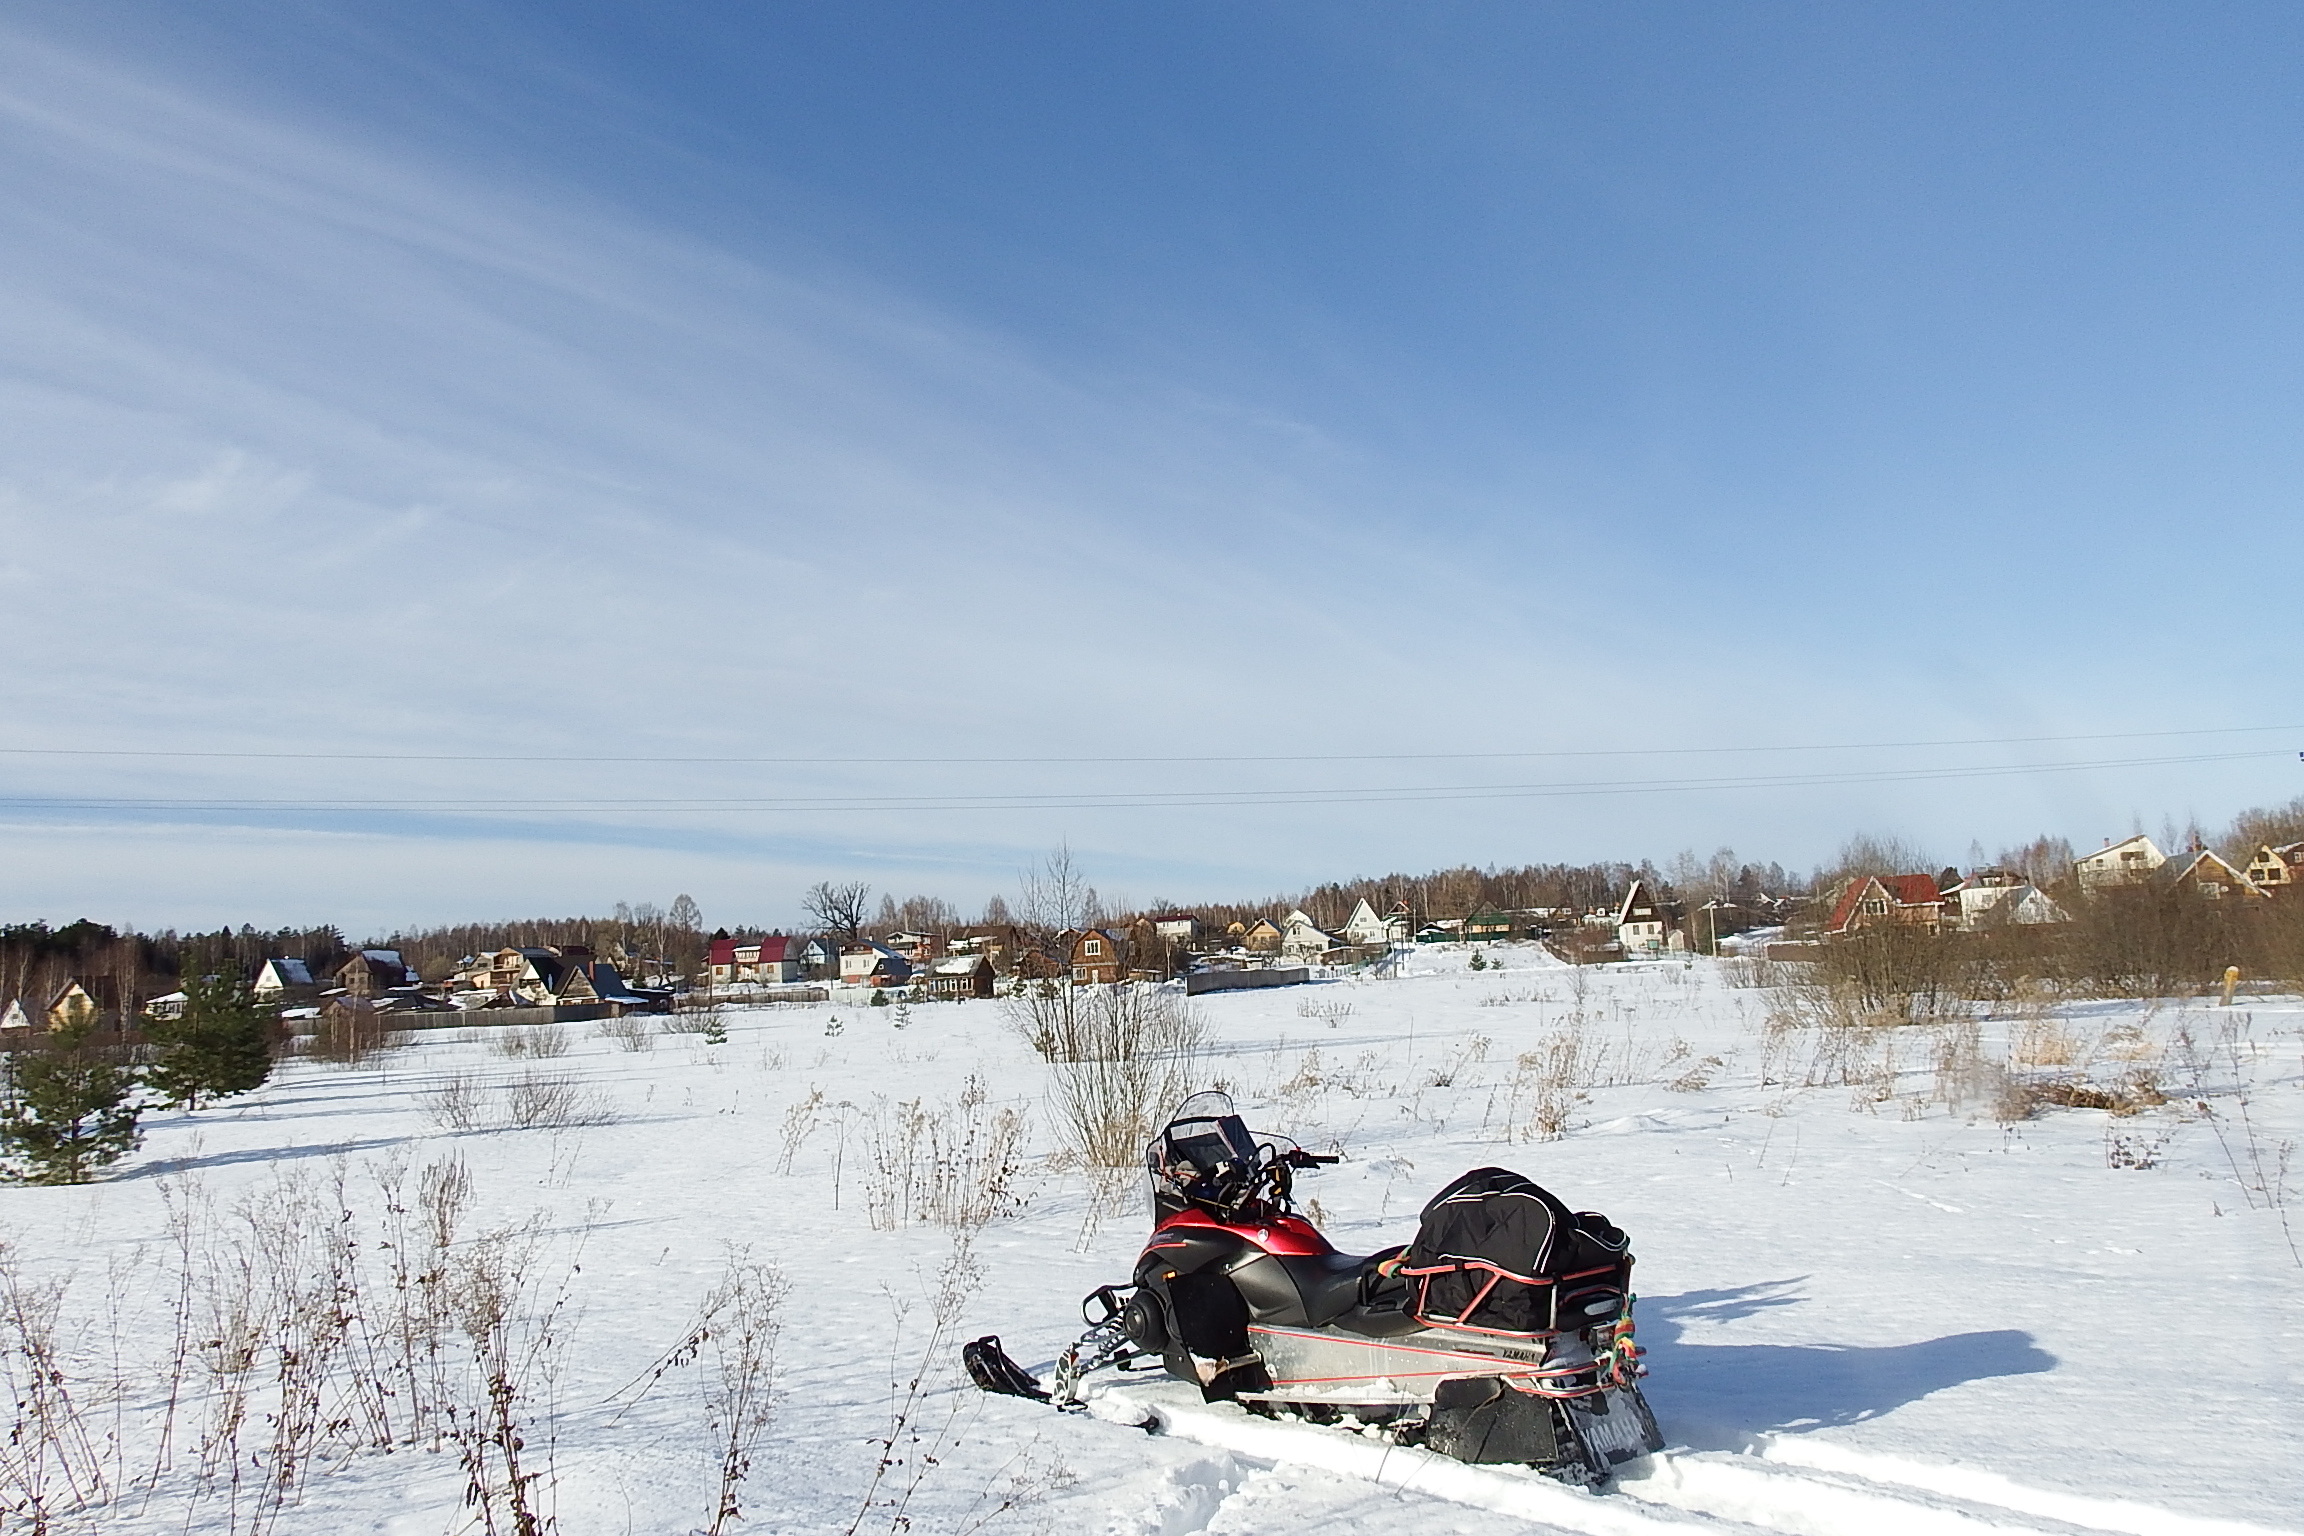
(991, 1369)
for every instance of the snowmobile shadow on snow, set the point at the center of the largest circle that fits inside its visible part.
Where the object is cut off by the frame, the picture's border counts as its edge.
(1716, 1397)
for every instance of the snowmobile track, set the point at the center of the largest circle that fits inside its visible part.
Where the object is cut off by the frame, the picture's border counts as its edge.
(1794, 1487)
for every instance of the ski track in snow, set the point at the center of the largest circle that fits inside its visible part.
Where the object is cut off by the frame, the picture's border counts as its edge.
(1792, 1489)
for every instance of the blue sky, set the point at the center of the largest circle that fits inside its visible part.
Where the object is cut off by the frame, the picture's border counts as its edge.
(1249, 404)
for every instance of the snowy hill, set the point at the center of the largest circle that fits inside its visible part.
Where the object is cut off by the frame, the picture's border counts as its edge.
(1869, 1303)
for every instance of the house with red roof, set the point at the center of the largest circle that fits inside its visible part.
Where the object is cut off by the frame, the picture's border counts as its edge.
(1871, 900)
(773, 959)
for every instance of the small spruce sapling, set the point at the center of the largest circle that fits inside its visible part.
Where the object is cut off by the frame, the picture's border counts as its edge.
(219, 1046)
(715, 1029)
(1479, 961)
(67, 1112)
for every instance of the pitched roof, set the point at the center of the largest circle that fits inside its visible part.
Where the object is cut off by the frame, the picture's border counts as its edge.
(1904, 890)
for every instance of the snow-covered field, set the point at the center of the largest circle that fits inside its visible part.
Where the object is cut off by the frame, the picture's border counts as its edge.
(1867, 1309)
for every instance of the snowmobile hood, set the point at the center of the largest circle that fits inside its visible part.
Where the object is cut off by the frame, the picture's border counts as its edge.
(1276, 1233)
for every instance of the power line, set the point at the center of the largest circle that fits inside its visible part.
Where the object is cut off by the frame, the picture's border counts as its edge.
(1275, 757)
(1146, 800)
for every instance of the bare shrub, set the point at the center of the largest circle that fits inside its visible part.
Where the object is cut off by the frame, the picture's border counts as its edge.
(630, 1031)
(1751, 971)
(1332, 1012)
(350, 1032)
(537, 1040)
(1119, 1056)
(554, 1101)
(1896, 973)
(701, 1018)
(455, 1102)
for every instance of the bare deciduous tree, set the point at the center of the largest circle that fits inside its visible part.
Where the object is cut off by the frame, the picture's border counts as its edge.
(838, 907)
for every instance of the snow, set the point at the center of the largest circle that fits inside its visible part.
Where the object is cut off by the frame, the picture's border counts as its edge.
(1865, 1309)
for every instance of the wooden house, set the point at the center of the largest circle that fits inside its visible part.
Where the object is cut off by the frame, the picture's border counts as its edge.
(1487, 927)
(873, 965)
(956, 978)
(1876, 899)
(374, 972)
(2204, 874)
(83, 1002)
(1098, 958)
(1262, 936)
(771, 960)
(2271, 868)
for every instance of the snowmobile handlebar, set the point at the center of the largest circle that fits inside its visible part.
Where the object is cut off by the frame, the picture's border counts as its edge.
(1299, 1158)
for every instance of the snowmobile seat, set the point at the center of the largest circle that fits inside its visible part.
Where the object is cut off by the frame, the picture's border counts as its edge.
(1333, 1284)
(1328, 1282)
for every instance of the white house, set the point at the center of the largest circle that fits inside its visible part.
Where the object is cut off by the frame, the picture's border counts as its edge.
(283, 979)
(1299, 935)
(2130, 861)
(1989, 898)
(1365, 927)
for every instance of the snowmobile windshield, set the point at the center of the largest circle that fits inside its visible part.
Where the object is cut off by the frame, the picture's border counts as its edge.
(1206, 1155)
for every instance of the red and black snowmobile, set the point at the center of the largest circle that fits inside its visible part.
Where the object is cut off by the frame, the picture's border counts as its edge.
(1503, 1333)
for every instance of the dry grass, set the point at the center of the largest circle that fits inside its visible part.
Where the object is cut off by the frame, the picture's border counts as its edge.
(960, 1165)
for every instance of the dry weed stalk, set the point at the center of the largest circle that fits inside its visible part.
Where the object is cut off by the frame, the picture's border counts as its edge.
(799, 1121)
(515, 1349)
(50, 1466)
(956, 1165)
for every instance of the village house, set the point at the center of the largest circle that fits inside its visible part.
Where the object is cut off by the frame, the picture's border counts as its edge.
(1487, 926)
(1641, 922)
(1871, 900)
(1301, 938)
(1992, 898)
(374, 972)
(1098, 958)
(873, 965)
(83, 1001)
(771, 960)
(284, 981)
(2130, 861)
(2207, 875)
(1262, 936)
(1180, 930)
(2271, 868)
(958, 977)
(914, 946)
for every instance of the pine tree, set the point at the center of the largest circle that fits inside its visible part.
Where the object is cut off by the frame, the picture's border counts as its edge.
(219, 1046)
(67, 1111)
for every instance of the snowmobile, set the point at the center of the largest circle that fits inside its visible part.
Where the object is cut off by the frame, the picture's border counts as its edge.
(1503, 1333)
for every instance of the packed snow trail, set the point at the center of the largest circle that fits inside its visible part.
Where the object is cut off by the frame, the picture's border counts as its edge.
(1780, 1489)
